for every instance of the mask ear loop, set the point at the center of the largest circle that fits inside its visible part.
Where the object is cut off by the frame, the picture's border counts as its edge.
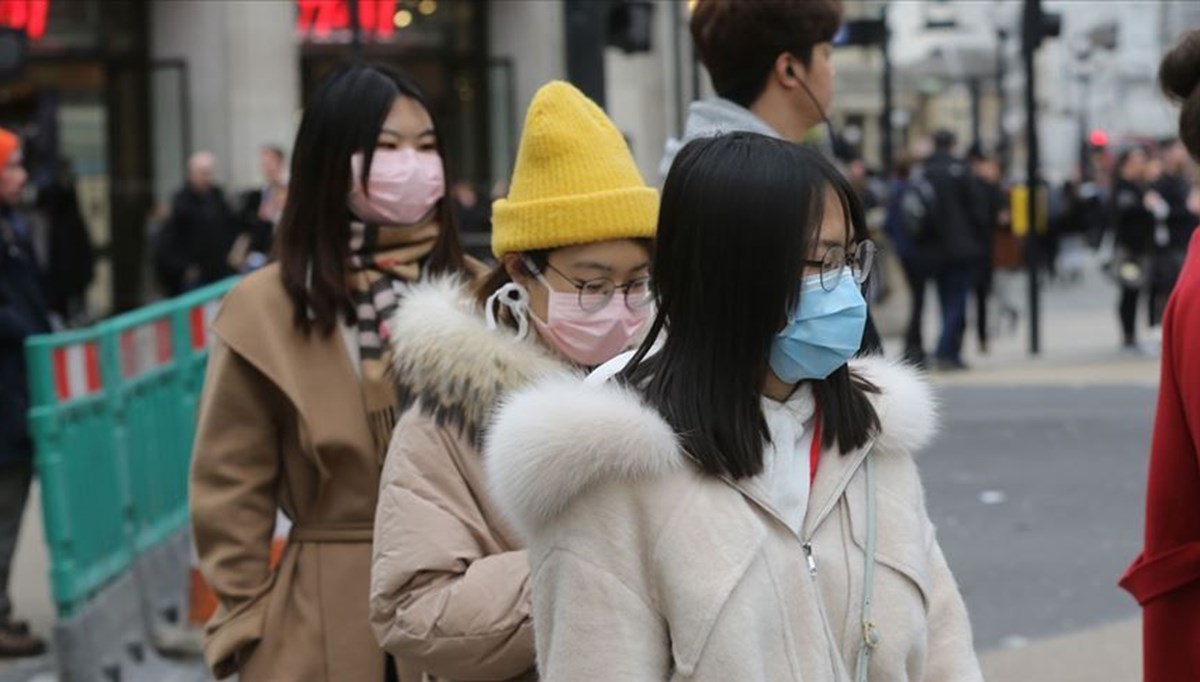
(514, 297)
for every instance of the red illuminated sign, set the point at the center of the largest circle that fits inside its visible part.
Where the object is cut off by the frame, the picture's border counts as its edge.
(320, 18)
(25, 15)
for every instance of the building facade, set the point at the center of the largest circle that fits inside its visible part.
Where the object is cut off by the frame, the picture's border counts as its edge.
(128, 90)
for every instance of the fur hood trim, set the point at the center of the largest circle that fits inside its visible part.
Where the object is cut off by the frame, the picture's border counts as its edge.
(446, 359)
(551, 442)
(909, 413)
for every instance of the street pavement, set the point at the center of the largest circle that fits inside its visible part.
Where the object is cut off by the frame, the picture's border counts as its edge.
(1036, 484)
(1037, 493)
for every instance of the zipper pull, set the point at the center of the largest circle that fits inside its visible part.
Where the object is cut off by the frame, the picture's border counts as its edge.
(808, 557)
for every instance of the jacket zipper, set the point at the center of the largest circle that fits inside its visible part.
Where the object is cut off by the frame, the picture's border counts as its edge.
(808, 557)
(806, 545)
(830, 643)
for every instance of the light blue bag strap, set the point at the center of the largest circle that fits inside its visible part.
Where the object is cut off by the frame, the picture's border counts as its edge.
(870, 636)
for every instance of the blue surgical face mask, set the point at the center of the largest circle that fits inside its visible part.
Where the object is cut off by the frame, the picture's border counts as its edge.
(823, 333)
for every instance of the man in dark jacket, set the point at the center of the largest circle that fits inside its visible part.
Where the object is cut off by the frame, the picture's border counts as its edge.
(22, 314)
(72, 261)
(992, 213)
(956, 246)
(261, 210)
(200, 230)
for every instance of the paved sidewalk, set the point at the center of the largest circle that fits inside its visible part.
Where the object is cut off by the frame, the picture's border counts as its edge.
(29, 586)
(1080, 339)
(1080, 348)
(1112, 653)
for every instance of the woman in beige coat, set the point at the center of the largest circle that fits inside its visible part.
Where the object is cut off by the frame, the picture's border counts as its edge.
(297, 410)
(738, 503)
(450, 579)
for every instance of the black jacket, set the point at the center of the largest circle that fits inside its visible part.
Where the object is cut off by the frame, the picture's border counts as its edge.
(1174, 189)
(262, 232)
(22, 314)
(200, 232)
(72, 260)
(1134, 222)
(959, 214)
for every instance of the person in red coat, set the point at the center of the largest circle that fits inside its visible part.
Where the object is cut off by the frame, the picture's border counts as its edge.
(1165, 578)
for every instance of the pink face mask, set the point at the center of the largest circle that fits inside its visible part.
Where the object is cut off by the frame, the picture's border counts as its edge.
(589, 339)
(404, 186)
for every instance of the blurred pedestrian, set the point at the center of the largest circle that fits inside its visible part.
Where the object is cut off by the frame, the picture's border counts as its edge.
(298, 404)
(23, 314)
(866, 187)
(499, 189)
(450, 578)
(71, 264)
(956, 246)
(771, 66)
(1175, 186)
(993, 209)
(679, 516)
(1165, 577)
(1134, 222)
(261, 211)
(913, 260)
(200, 230)
(474, 216)
(1073, 226)
(474, 219)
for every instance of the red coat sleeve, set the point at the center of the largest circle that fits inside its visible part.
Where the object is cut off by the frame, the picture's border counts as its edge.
(1165, 578)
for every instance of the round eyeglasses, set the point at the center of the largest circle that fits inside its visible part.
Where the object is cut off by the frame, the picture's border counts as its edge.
(833, 266)
(594, 294)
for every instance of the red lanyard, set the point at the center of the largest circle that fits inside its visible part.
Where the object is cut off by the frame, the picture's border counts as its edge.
(814, 455)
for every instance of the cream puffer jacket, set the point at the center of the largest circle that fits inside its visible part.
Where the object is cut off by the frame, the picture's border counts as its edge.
(645, 569)
(450, 588)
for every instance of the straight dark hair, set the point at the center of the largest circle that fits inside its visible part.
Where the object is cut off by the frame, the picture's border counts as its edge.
(739, 216)
(344, 117)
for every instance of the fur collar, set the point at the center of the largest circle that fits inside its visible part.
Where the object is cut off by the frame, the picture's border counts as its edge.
(551, 442)
(445, 359)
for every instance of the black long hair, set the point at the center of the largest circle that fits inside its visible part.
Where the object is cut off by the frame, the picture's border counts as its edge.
(739, 216)
(344, 117)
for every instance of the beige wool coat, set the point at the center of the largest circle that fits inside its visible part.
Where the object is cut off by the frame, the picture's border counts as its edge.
(450, 588)
(283, 426)
(645, 569)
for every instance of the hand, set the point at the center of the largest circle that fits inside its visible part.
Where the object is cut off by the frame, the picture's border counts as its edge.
(191, 276)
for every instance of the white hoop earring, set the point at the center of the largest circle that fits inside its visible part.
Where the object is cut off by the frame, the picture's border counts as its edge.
(514, 297)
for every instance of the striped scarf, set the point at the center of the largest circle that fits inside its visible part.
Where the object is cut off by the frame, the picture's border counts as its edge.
(383, 260)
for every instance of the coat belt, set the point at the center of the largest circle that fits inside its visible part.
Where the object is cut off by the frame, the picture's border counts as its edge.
(333, 533)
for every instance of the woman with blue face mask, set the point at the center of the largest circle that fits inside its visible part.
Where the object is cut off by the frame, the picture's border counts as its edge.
(739, 502)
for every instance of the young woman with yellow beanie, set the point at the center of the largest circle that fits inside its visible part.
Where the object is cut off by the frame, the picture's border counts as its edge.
(450, 586)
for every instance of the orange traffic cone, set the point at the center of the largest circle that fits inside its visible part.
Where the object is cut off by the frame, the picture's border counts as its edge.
(202, 602)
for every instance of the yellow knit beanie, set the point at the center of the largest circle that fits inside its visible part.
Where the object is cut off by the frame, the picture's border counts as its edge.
(575, 181)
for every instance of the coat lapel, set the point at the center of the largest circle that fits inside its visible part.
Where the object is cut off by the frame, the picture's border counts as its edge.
(326, 395)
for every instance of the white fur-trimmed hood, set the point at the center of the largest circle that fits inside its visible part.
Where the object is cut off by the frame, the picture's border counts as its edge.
(446, 359)
(552, 441)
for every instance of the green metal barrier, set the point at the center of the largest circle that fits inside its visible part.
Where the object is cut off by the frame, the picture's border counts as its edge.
(112, 415)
